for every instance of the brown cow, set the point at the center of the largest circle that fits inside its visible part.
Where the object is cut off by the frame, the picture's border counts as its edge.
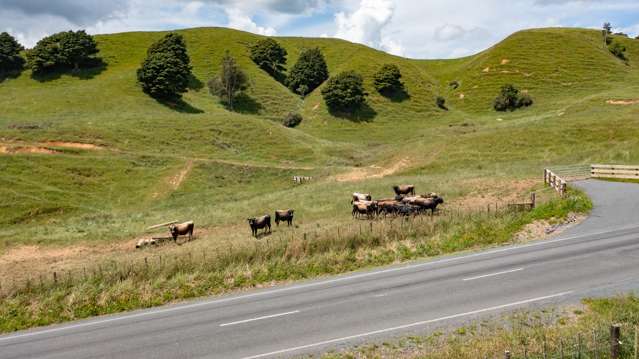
(387, 206)
(181, 229)
(404, 189)
(368, 208)
(424, 203)
(284, 215)
(259, 223)
(358, 197)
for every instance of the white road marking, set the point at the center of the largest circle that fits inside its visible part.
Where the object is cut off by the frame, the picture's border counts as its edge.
(259, 318)
(493, 274)
(303, 286)
(406, 326)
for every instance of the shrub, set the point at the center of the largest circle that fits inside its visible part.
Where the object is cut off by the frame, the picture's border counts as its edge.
(441, 103)
(292, 120)
(618, 49)
(230, 82)
(64, 49)
(165, 73)
(510, 99)
(308, 73)
(345, 92)
(454, 84)
(10, 59)
(268, 55)
(388, 79)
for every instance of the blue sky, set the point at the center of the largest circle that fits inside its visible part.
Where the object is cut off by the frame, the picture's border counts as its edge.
(412, 28)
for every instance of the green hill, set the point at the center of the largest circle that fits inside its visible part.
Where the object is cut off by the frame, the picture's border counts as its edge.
(154, 162)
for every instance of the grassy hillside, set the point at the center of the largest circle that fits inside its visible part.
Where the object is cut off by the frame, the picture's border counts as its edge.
(153, 162)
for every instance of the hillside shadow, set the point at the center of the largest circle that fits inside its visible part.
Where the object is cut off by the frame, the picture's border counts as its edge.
(247, 105)
(9, 75)
(364, 114)
(88, 71)
(180, 106)
(396, 96)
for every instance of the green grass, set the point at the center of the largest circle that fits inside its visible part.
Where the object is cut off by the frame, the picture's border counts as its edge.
(569, 332)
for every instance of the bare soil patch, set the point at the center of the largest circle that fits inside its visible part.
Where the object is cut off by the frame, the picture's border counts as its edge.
(504, 61)
(77, 145)
(374, 171)
(547, 228)
(623, 102)
(9, 150)
(177, 180)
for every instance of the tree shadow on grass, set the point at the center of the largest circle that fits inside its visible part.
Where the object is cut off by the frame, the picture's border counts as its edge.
(195, 83)
(364, 114)
(396, 95)
(180, 106)
(88, 71)
(246, 105)
(9, 75)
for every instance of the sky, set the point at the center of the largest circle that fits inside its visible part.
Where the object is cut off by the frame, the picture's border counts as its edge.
(411, 28)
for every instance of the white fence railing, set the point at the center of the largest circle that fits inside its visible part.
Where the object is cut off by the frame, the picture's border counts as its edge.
(614, 171)
(554, 181)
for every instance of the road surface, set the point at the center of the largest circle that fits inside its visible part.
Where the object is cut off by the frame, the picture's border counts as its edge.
(601, 256)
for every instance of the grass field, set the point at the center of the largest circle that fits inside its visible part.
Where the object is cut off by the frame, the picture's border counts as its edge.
(87, 161)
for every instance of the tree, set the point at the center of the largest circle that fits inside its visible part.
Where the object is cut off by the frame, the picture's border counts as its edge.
(345, 92)
(387, 79)
(165, 73)
(230, 82)
(268, 55)
(10, 59)
(510, 99)
(69, 49)
(606, 31)
(618, 49)
(308, 73)
(292, 120)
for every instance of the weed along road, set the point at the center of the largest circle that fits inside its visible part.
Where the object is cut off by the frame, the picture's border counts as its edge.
(600, 256)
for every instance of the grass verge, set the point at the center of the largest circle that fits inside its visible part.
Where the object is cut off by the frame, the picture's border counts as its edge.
(117, 286)
(569, 332)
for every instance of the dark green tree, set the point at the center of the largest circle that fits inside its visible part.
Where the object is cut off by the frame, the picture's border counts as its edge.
(292, 120)
(510, 99)
(69, 49)
(308, 73)
(345, 92)
(618, 49)
(10, 59)
(230, 82)
(388, 79)
(269, 55)
(166, 71)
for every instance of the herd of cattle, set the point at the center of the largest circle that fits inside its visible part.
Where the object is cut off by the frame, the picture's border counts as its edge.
(405, 203)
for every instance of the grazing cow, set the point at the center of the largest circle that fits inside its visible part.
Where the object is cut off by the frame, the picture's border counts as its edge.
(358, 197)
(387, 206)
(259, 223)
(364, 208)
(284, 215)
(181, 229)
(404, 189)
(424, 203)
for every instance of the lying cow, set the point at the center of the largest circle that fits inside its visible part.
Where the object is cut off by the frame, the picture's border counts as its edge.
(259, 223)
(284, 215)
(404, 189)
(358, 197)
(181, 229)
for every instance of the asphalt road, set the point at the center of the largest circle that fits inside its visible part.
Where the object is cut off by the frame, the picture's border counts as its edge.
(599, 257)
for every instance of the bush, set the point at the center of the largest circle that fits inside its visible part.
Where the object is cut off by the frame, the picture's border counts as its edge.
(268, 55)
(230, 82)
(388, 79)
(441, 103)
(454, 84)
(618, 49)
(292, 120)
(510, 99)
(10, 59)
(308, 73)
(165, 73)
(62, 50)
(345, 92)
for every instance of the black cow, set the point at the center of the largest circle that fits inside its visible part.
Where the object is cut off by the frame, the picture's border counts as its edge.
(284, 215)
(259, 223)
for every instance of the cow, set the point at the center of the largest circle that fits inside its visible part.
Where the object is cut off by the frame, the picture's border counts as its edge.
(259, 223)
(357, 197)
(387, 206)
(424, 203)
(364, 208)
(404, 189)
(284, 215)
(181, 229)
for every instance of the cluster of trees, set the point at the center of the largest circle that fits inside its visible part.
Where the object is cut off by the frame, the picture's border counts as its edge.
(510, 99)
(10, 60)
(615, 47)
(63, 50)
(166, 71)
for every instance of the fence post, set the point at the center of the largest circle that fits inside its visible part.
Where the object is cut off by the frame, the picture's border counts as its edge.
(637, 342)
(615, 344)
(533, 199)
(507, 354)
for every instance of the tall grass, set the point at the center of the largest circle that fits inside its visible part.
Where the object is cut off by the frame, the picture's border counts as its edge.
(118, 285)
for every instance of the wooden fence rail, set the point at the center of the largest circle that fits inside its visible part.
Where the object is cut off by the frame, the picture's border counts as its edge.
(614, 171)
(554, 181)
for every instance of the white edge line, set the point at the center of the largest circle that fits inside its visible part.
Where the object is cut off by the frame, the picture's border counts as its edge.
(493, 274)
(259, 318)
(308, 285)
(406, 326)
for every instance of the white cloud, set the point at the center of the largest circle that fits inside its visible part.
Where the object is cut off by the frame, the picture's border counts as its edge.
(366, 25)
(239, 20)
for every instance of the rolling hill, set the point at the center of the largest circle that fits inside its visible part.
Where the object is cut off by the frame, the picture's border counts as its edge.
(88, 157)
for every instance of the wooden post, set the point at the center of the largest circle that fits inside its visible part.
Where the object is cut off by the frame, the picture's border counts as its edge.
(55, 277)
(637, 342)
(507, 354)
(615, 344)
(533, 199)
